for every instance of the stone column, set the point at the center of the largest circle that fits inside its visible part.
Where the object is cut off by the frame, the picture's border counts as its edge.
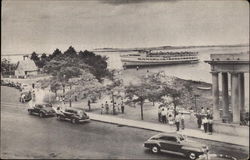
(241, 92)
(225, 102)
(215, 94)
(235, 98)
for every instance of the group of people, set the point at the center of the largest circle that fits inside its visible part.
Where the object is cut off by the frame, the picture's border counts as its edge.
(205, 120)
(112, 108)
(168, 116)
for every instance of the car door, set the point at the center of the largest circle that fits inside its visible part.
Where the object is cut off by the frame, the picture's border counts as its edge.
(37, 108)
(164, 143)
(173, 144)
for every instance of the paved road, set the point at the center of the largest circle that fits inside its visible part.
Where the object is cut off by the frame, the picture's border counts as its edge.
(26, 136)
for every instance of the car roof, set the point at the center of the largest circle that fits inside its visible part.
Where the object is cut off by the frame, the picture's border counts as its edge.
(172, 134)
(73, 109)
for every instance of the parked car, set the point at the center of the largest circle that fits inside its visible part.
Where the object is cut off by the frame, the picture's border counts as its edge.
(74, 115)
(25, 87)
(42, 110)
(25, 96)
(176, 144)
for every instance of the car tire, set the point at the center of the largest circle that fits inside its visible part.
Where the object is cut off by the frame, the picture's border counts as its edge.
(192, 156)
(155, 149)
(59, 117)
(30, 112)
(41, 115)
(73, 121)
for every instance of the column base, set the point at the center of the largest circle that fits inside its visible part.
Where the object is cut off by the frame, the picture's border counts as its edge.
(225, 119)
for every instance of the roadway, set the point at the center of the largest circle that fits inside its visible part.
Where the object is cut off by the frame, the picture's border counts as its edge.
(28, 136)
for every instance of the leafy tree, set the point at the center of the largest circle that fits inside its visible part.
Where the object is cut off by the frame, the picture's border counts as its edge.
(70, 52)
(34, 57)
(7, 68)
(56, 53)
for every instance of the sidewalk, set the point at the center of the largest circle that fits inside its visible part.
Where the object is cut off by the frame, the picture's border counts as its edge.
(243, 141)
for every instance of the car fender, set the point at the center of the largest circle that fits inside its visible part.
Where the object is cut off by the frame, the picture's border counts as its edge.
(193, 149)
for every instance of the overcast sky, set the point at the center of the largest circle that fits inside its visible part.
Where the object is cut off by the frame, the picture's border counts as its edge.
(42, 26)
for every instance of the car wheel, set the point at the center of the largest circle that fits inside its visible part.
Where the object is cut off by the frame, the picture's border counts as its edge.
(73, 121)
(30, 112)
(192, 155)
(41, 115)
(155, 149)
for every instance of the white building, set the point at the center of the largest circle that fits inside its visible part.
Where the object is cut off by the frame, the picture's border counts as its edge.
(26, 67)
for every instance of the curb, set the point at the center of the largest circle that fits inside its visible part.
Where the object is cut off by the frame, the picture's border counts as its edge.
(115, 123)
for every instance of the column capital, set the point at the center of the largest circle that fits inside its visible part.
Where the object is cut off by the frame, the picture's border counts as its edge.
(214, 72)
(234, 73)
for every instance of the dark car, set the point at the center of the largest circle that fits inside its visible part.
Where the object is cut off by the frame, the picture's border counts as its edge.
(74, 115)
(25, 96)
(42, 110)
(176, 144)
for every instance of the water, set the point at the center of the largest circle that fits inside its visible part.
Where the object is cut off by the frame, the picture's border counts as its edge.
(198, 72)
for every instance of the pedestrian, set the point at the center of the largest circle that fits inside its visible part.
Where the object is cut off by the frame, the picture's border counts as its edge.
(114, 108)
(177, 121)
(107, 107)
(210, 125)
(137, 68)
(122, 108)
(119, 107)
(89, 104)
(199, 121)
(203, 111)
(75, 97)
(102, 109)
(204, 122)
(164, 115)
(208, 112)
(182, 122)
(159, 114)
(167, 114)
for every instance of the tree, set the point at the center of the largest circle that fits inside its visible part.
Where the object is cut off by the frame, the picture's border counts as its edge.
(56, 53)
(70, 52)
(7, 67)
(138, 94)
(34, 57)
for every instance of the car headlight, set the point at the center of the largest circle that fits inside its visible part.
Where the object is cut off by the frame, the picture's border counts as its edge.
(204, 149)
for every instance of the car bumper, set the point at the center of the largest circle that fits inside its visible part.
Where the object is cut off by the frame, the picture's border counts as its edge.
(83, 120)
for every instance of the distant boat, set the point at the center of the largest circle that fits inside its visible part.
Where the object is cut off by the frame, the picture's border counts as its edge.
(149, 58)
(204, 88)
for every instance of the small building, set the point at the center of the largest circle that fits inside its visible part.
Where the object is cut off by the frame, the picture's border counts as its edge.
(26, 67)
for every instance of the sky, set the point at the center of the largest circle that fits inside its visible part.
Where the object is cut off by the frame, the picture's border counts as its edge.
(43, 26)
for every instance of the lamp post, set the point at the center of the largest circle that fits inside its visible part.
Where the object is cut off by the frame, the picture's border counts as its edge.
(113, 102)
(70, 96)
(195, 96)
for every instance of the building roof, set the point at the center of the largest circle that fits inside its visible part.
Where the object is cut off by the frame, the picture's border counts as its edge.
(26, 65)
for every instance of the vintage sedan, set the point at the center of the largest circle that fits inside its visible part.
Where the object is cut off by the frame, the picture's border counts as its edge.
(25, 96)
(43, 110)
(176, 144)
(74, 115)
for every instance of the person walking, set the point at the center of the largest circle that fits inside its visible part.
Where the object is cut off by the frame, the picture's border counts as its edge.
(122, 108)
(182, 122)
(89, 104)
(159, 114)
(208, 112)
(203, 111)
(107, 107)
(204, 122)
(210, 125)
(177, 121)
(102, 109)
(199, 121)
(164, 115)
